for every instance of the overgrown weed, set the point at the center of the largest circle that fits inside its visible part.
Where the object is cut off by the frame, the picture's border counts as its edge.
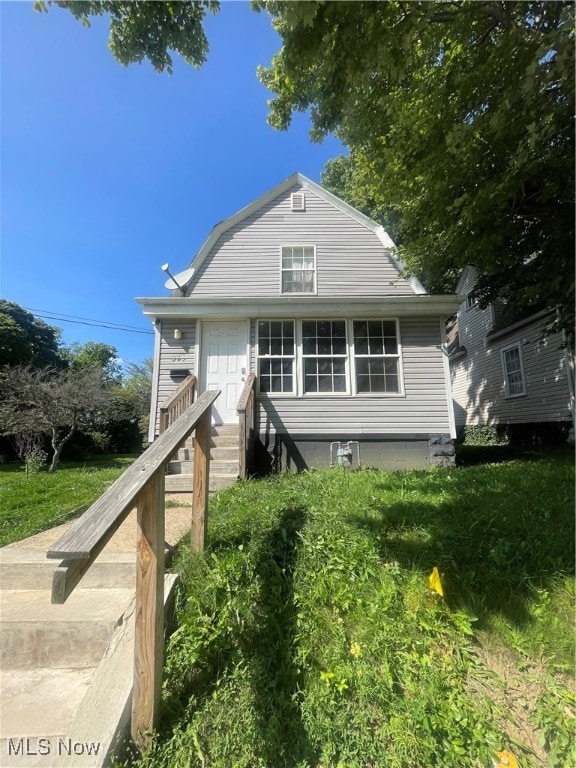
(308, 634)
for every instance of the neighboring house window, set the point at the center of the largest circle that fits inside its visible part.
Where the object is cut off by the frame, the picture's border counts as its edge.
(514, 380)
(471, 300)
(325, 352)
(276, 355)
(376, 356)
(298, 269)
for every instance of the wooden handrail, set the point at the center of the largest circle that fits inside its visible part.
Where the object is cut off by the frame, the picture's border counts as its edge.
(142, 484)
(181, 399)
(246, 414)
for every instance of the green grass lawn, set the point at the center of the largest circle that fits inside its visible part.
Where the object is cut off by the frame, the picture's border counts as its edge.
(41, 501)
(308, 636)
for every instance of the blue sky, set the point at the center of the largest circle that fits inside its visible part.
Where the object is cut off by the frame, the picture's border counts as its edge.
(108, 172)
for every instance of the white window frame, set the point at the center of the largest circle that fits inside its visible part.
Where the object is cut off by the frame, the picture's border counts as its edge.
(398, 356)
(282, 270)
(517, 345)
(302, 384)
(294, 357)
(350, 360)
(471, 301)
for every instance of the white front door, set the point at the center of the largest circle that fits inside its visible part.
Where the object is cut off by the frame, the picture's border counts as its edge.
(223, 365)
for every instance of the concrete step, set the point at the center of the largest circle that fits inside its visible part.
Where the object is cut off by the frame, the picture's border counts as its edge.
(184, 483)
(35, 703)
(36, 633)
(218, 467)
(29, 569)
(72, 718)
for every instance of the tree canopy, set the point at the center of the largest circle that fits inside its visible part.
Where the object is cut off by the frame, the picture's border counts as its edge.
(140, 29)
(95, 354)
(50, 401)
(458, 115)
(25, 339)
(459, 120)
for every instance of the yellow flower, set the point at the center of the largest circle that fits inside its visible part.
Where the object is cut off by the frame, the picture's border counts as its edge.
(506, 759)
(342, 685)
(356, 650)
(327, 676)
(435, 583)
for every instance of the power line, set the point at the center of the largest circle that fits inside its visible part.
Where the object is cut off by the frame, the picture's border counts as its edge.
(48, 315)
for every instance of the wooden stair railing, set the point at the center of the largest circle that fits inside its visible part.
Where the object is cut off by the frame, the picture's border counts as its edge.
(177, 403)
(246, 414)
(142, 485)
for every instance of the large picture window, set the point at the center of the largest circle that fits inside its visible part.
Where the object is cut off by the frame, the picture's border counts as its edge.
(323, 357)
(298, 269)
(514, 381)
(276, 355)
(376, 356)
(324, 352)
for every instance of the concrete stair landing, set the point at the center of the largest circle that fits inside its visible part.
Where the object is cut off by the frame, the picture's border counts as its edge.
(224, 461)
(65, 670)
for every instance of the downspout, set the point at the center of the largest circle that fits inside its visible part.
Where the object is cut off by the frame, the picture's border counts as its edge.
(450, 399)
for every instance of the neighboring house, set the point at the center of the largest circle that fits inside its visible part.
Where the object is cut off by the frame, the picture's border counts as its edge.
(303, 291)
(508, 371)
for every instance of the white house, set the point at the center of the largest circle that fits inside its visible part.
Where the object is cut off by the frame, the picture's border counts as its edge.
(303, 291)
(508, 372)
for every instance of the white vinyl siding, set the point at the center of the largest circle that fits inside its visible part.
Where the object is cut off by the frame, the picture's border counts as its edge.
(276, 356)
(514, 381)
(478, 386)
(298, 269)
(175, 354)
(420, 408)
(350, 259)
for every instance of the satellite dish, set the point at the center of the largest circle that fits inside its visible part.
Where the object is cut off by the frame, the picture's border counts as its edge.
(179, 280)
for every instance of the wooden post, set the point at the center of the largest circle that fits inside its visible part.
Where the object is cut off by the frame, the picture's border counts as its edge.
(149, 623)
(201, 487)
(242, 443)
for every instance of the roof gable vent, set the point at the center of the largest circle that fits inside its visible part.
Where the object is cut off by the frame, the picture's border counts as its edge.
(298, 201)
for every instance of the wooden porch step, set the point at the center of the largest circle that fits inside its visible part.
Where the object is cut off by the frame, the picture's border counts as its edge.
(216, 467)
(184, 483)
(217, 453)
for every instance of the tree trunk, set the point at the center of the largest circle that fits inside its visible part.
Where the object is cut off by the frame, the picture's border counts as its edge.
(57, 446)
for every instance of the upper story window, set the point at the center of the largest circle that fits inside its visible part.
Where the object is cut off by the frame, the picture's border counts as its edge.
(471, 300)
(513, 369)
(298, 269)
(376, 356)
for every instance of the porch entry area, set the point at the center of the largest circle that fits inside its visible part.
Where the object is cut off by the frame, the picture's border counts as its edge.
(224, 365)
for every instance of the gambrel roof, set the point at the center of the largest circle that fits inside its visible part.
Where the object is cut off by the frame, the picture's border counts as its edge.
(328, 197)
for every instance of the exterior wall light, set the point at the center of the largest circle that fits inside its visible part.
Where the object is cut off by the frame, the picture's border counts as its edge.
(177, 333)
